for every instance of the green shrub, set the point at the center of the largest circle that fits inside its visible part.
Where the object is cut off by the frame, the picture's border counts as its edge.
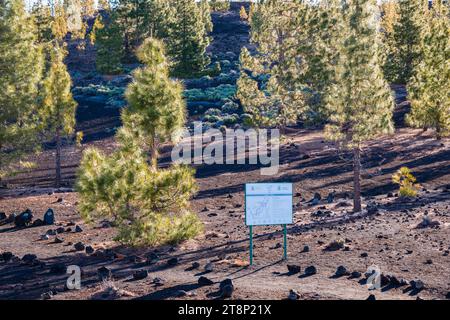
(224, 91)
(407, 182)
(230, 107)
(229, 120)
(213, 112)
(220, 5)
(150, 206)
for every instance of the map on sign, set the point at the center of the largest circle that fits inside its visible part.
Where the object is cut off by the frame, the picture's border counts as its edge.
(268, 204)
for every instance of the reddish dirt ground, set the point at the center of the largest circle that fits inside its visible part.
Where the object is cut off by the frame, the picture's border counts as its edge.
(387, 238)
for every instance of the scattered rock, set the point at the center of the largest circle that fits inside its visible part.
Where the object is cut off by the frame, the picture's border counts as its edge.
(58, 240)
(371, 298)
(226, 288)
(204, 281)
(140, 274)
(205, 209)
(78, 229)
(3, 216)
(341, 271)
(7, 256)
(60, 230)
(335, 245)
(305, 249)
(29, 258)
(45, 237)
(427, 222)
(316, 200)
(311, 270)
(322, 214)
(152, 258)
(51, 232)
(24, 219)
(293, 269)
(364, 255)
(355, 275)
(293, 295)
(89, 250)
(79, 246)
(448, 296)
(172, 261)
(104, 273)
(384, 280)
(49, 217)
(417, 285)
(330, 198)
(47, 295)
(58, 268)
(38, 223)
(157, 282)
(195, 265)
(209, 267)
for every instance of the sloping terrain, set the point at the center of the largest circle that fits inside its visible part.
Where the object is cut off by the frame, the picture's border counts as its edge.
(325, 235)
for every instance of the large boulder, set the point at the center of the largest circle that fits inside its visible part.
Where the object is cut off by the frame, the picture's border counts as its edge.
(24, 219)
(49, 217)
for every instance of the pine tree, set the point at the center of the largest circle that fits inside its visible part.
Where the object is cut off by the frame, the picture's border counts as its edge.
(389, 11)
(59, 105)
(109, 45)
(407, 39)
(205, 9)
(88, 7)
(157, 18)
(21, 64)
(140, 19)
(276, 100)
(149, 205)
(43, 20)
(360, 102)
(103, 5)
(220, 5)
(429, 87)
(317, 27)
(188, 39)
(59, 25)
(243, 14)
(155, 106)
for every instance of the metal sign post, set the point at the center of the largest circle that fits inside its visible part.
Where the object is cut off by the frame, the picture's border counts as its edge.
(268, 204)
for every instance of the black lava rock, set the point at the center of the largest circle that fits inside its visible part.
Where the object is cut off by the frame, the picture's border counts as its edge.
(24, 219)
(140, 274)
(104, 273)
(311, 270)
(49, 217)
(341, 271)
(293, 269)
(204, 281)
(79, 246)
(172, 262)
(89, 250)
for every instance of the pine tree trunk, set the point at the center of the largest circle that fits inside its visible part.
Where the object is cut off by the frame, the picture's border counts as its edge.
(58, 159)
(357, 179)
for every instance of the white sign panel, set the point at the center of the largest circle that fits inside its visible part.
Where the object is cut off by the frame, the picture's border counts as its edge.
(268, 204)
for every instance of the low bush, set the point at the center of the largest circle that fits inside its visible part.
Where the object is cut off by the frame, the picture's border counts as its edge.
(407, 182)
(150, 207)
